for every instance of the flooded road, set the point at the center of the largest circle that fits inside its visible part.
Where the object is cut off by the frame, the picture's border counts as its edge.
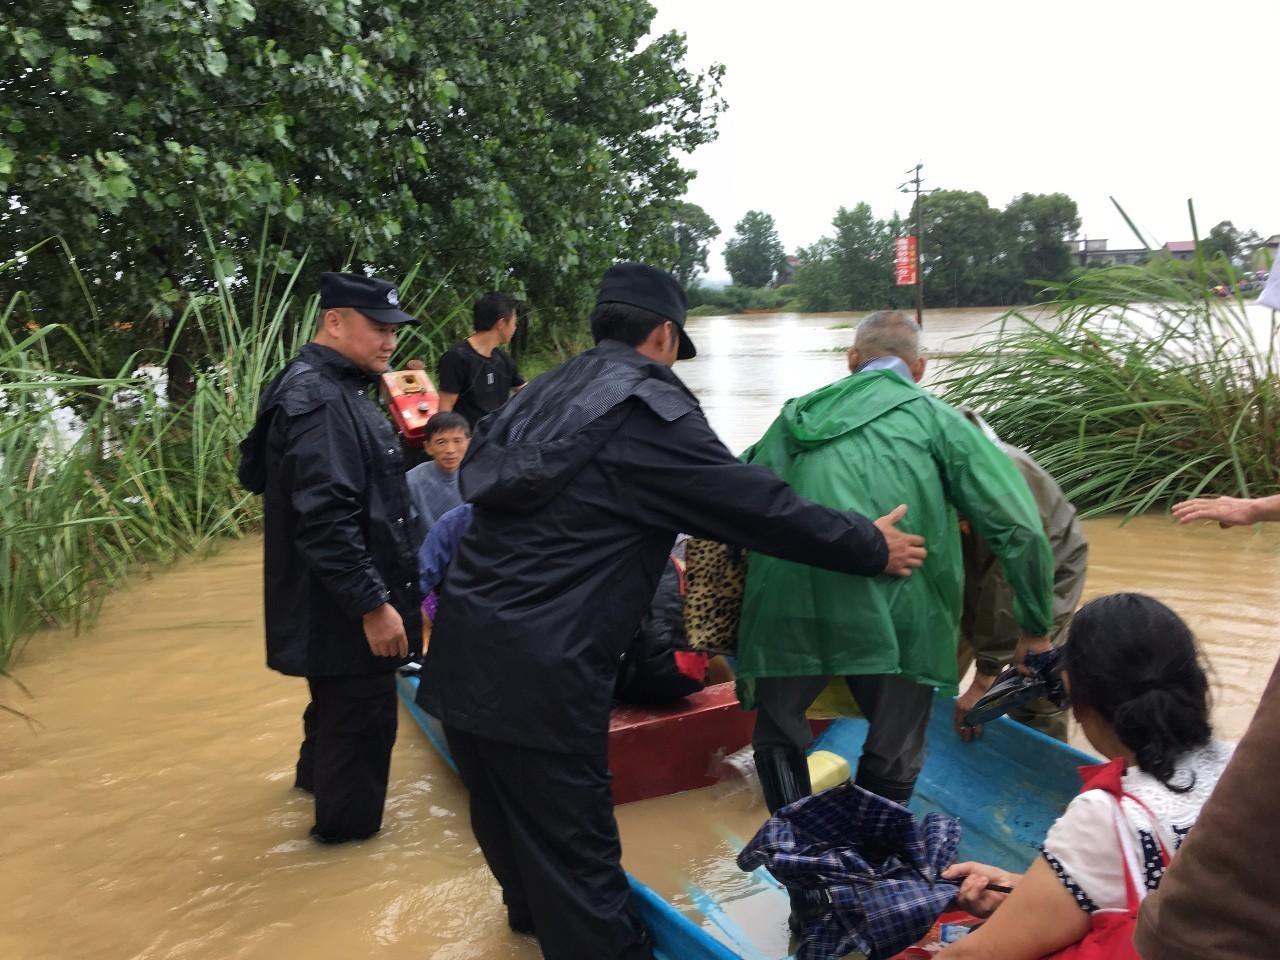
(149, 813)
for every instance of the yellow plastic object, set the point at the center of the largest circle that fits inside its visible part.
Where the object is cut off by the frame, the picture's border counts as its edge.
(835, 700)
(827, 769)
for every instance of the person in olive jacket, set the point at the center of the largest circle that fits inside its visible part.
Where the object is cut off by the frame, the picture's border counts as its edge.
(579, 485)
(340, 548)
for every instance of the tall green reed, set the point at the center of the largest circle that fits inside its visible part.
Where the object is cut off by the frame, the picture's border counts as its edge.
(1137, 388)
(101, 474)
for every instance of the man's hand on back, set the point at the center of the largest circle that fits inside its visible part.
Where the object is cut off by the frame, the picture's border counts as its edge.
(906, 550)
(384, 630)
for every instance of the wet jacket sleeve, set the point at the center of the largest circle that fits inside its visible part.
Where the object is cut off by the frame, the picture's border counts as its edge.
(989, 491)
(995, 630)
(680, 476)
(322, 457)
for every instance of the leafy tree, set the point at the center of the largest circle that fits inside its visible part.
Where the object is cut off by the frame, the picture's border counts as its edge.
(521, 143)
(1224, 241)
(817, 278)
(692, 232)
(961, 253)
(865, 252)
(1038, 226)
(755, 252)
(853, 269)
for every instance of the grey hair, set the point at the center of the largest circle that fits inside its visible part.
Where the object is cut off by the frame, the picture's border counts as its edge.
(888, 333)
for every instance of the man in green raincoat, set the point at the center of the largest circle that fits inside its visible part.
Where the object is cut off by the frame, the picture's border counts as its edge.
(869, 443)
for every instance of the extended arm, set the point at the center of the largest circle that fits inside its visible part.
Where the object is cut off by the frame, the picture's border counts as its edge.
(681, 476)
(1229, 511)
(988, 489)
(1037, 919)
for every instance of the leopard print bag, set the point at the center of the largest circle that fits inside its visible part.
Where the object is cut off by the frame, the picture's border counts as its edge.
(715, 577)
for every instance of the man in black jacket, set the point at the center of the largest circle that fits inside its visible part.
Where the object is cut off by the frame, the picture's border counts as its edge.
(579, 485)
(340, 540)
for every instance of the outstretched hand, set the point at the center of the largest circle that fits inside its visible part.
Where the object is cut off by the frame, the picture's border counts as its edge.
(1227, 511)
(906, 550)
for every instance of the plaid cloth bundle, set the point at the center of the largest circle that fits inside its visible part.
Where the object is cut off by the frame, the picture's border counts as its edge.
(878, 867)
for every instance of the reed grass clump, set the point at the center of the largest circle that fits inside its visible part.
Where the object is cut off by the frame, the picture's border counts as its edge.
(1137, 388)
(101, 473)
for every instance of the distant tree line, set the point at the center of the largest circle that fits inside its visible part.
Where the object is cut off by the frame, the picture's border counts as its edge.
(972, 254)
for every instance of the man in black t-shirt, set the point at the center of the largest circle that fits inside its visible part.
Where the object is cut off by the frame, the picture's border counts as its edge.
(475, 376)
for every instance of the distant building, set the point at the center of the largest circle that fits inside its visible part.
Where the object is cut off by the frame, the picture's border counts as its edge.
(786, 271)
(1094, 253)
(1264, 255)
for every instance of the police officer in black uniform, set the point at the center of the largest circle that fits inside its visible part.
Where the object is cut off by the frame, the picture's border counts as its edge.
(579, 484)
(341, 539)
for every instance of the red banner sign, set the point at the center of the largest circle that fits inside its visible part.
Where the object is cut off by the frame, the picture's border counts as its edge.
(904, 261)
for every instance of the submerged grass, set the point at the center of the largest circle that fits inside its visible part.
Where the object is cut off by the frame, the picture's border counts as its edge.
(1139, 389)
(101, 475)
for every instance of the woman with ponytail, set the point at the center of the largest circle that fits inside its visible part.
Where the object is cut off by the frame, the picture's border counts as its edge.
(1141, 697)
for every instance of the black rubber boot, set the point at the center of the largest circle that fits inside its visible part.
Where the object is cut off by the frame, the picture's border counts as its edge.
(784, 776)
(896, 790)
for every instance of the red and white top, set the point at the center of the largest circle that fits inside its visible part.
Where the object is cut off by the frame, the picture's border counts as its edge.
(1085, 846)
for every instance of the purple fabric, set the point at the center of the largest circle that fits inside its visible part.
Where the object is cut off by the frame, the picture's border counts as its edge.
(437, 550)
(878, 868)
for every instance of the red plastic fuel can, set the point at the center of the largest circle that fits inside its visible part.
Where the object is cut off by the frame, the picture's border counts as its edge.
(412, 399)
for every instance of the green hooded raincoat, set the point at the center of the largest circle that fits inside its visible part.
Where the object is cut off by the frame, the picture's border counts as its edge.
(868, 443)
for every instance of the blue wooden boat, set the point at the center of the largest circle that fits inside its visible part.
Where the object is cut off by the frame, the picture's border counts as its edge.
(1006, 789)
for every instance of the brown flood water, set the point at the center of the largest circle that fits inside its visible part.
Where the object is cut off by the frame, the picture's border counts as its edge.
(149, 814)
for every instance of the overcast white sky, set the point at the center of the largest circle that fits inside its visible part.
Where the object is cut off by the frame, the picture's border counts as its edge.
(831, 101)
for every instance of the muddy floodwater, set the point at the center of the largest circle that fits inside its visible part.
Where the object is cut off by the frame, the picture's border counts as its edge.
(147, 811)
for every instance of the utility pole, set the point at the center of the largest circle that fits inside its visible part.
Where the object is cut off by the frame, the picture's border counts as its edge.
(913, 186)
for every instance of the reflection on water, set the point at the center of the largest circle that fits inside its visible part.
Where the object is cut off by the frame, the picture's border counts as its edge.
(150, 814)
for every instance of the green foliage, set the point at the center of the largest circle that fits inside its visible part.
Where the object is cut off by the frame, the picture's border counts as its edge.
(754, 254)
(692, 232)
(962, 236)
(1137, 390)
(522, 144)
(1228, 244)
(853, 269)
(1224, 241)
(716, 301)
(974, 254)
(137, 478)
(1036, 228)
(971, 253)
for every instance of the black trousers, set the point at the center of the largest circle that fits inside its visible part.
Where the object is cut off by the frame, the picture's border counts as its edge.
(349, 728)
(545, 824)
(897, 713)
